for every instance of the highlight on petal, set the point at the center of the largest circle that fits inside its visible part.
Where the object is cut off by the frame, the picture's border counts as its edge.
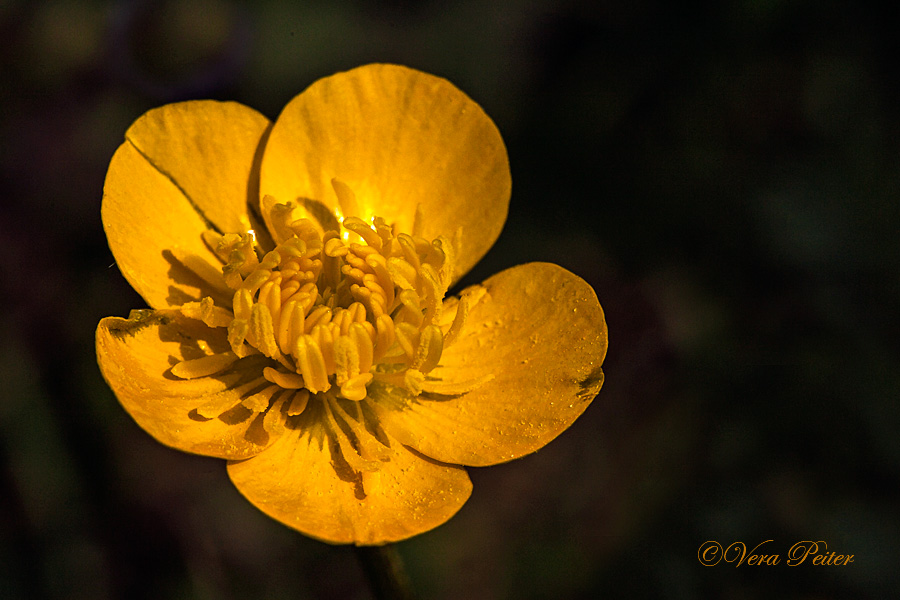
(203, 412)
(153, 231)
(211, 151)
(529, 360)
(305, 480)
(411, 147)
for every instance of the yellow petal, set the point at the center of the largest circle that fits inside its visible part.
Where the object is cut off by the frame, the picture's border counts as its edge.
(404, 142)
(211, 150)
(148, 222)
(136, 358)
(303, 481)
(532, 346)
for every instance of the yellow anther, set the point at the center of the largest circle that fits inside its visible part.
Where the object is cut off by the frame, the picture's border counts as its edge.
(207, 312)
(363, 343)
(298, 402)
(411, 311)
(408, 246)
(237, 333)
(360, 228)
(283, 331)
(429, 351)
(341, 320)
(271, 260)
(353, 273)
(324, 337)
(262, 331)
(273, 302)
(288, 381)
(357, 312)
(432, 292)
(408, 338)
(370, 282)
(462, 311)
(384, 336)
(242, 304)
(309, 234)
(289, 289)
(203, 366)
(335, 248)
(266, 289)
(260, 401)
(346, 359)
(293, 248)
(378, 264)
(280, 216)
(319, 316)
(311, 364)
(355, 388)
(255, 280)
(403, 274)
(272, 421)
(361, 253)
(297, 325)
(217, 405)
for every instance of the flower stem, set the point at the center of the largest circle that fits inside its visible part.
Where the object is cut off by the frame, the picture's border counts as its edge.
(384, 569)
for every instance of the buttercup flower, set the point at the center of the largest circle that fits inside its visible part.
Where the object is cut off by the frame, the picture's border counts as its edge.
(299, 328)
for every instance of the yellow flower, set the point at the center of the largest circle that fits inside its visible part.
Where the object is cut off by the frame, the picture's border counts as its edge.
(297, 274)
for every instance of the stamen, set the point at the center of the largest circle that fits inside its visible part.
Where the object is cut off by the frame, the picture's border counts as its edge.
(284, 325)
(259, 401)
(384, 337)
(237, 333)
(262, 331)
(431, 344)
(311, 364)
(362, 340)
(462, 311)
(298, 404)
(411, 380)
(346, 359)
(217, 405)
(335, 248)
(242, 305)
(324, 338)
(408, 337)
(355, 387)
(225, 401)
(204, 366)
(207, 312)
(359, 227)
(288, 381)
(273, 422)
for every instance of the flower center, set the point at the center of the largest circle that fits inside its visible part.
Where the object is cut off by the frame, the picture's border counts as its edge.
(335, 311)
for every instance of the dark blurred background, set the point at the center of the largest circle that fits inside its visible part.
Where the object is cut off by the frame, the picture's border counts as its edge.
(724, 174)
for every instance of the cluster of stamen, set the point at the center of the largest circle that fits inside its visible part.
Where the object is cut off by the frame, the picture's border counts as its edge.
(333, 310)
